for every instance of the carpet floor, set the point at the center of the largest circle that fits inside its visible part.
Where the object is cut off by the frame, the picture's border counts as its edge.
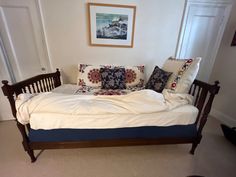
(214, 157)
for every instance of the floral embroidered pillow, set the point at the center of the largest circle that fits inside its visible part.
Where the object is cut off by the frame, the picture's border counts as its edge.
(134, 76)
(158, 79)
(184, 72)
(113, 78)
(89, 75)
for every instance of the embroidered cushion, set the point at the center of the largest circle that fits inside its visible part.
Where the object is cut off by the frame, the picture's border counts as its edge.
(134, 76)
(158, 79)
(113, 78)
(89, 75)
(184, 72)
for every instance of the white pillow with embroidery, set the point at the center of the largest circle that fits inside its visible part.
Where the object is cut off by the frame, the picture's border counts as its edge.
(184, 72)
(89, 75)
(134, 76)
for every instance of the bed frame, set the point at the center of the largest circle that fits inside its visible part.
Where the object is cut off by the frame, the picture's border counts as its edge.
(203, 93)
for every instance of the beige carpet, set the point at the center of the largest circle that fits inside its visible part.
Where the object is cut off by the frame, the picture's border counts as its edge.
(215, 157)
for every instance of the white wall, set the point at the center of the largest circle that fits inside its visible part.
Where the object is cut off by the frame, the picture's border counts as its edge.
(225, 71)
(155, 39)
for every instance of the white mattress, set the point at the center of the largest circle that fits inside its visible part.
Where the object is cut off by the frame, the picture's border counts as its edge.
(183, 115)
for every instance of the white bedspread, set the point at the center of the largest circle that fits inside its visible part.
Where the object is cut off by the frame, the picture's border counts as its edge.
(139, 108)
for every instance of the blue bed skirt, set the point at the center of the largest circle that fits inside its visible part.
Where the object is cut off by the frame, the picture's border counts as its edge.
(147, 132)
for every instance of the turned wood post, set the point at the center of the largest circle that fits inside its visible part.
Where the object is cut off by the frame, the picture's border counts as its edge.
(203, 115)
(8, 91)
(57, 79)
(25, 141)
(213, 91)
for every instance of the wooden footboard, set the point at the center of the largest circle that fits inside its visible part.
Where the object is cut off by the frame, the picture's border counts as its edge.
(203, 93)
(36, 84)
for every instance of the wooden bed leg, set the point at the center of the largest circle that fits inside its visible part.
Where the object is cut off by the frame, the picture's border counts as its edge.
(25, 141)
(195, 143)
(29, 151)
(194, 146)
(31, 154)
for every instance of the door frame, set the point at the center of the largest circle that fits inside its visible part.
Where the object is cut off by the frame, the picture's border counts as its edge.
(188, 4)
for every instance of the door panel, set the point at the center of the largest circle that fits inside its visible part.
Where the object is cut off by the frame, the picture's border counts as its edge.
(201, 34)
(21, 38)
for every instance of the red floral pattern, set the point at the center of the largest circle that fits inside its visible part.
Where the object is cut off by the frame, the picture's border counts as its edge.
(141, 83)
(82, 67)
(130, 75)
(91, 76)
(141, 68)
(94, 76)
(81, 82)
(182, 70)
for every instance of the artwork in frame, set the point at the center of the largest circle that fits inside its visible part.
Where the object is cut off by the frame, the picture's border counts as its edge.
(234, 40)
(111, 25)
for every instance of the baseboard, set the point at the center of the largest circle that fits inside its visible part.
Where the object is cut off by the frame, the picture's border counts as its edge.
(6, 119)
(224, 118)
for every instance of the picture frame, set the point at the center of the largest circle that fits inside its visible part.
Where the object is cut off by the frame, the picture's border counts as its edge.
(234, 40)
(111, 25)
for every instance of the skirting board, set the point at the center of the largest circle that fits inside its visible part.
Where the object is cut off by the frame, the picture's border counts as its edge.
(224, 118)
(6, 119)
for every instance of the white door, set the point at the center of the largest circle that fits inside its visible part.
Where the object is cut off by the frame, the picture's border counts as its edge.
(23, 51)
(22, 36)
(202, 31)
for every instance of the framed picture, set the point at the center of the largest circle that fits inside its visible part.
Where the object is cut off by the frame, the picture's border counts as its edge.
(234, 40)
(111, 25)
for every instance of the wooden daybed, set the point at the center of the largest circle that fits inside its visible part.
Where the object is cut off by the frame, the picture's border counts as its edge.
(204, 94)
